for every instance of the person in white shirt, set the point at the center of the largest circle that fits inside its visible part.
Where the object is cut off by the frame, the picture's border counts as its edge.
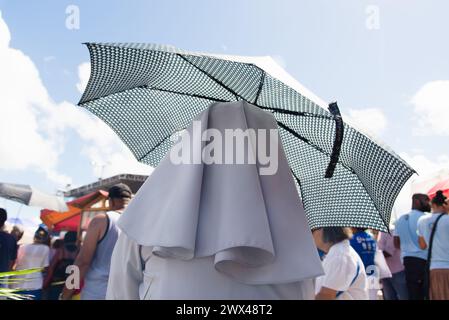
(344, 274)
(32, 256)
(438, 223)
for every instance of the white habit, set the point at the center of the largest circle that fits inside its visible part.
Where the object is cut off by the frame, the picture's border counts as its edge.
(216, 231)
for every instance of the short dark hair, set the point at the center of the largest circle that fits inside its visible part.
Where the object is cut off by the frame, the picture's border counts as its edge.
(119, 191)
(420, 196)
(70, 241)
(420, 202)
(335, 234)
(57, 244)
(3, 216)
(70, 237)
(41, 235)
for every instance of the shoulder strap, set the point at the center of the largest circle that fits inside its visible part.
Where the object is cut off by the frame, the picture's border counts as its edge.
(432, 235)
(339, 293)
(429, 253)
(107, 228)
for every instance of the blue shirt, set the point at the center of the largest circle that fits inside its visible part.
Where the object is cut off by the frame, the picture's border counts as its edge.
(8, 250)
(406, 229)
(440, 247)
(365, 245)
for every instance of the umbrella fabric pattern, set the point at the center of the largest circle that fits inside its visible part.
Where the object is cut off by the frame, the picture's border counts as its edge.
(146, 93)
(31, 196)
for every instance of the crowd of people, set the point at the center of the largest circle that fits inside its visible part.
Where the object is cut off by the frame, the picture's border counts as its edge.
(52, 256)
(410, 263)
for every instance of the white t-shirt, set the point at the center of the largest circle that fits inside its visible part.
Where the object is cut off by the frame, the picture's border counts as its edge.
(340, 270)
(32, 256)
(440, 246)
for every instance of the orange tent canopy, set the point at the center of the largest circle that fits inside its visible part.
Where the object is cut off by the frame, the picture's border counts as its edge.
(70, 220)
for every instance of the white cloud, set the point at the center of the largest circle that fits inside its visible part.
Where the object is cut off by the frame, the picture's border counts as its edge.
(106, 164)
(370, 120)
(431, 111)
(33, 128)
(83, 74)
(23, 97)
(430, 171)
(425, 166)
(431, 108)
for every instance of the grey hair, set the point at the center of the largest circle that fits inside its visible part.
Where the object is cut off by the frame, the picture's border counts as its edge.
(335, 234)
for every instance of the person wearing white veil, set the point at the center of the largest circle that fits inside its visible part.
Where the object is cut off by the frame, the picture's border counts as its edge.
(203, 229)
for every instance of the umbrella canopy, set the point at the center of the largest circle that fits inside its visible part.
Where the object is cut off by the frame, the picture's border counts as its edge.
(147, 93)
(442, 185)
(31, 196)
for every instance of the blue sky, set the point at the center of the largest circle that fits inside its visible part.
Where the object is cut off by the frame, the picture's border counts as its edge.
(385, 62)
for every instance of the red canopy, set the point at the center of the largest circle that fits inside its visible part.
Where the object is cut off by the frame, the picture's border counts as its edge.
(69, 224)
(442, 185)
(70, 220)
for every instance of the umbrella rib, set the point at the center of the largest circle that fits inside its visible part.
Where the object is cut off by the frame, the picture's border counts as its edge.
(282, 125)
(299, 184)
(297, 135)
(185, 94)
(277, 110)
(283, 111)
(236, 95)
(261, 83)
(296, 113)
(152, 149)
(374, 204)
(294, 133)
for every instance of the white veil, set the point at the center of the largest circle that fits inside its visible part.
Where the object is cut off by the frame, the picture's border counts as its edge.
(253, 225)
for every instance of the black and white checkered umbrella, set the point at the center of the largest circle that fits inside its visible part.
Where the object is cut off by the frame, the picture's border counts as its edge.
(146, 93)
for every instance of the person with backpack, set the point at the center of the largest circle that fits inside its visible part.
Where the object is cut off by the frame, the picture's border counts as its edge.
(406, 239)
(433, 230)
